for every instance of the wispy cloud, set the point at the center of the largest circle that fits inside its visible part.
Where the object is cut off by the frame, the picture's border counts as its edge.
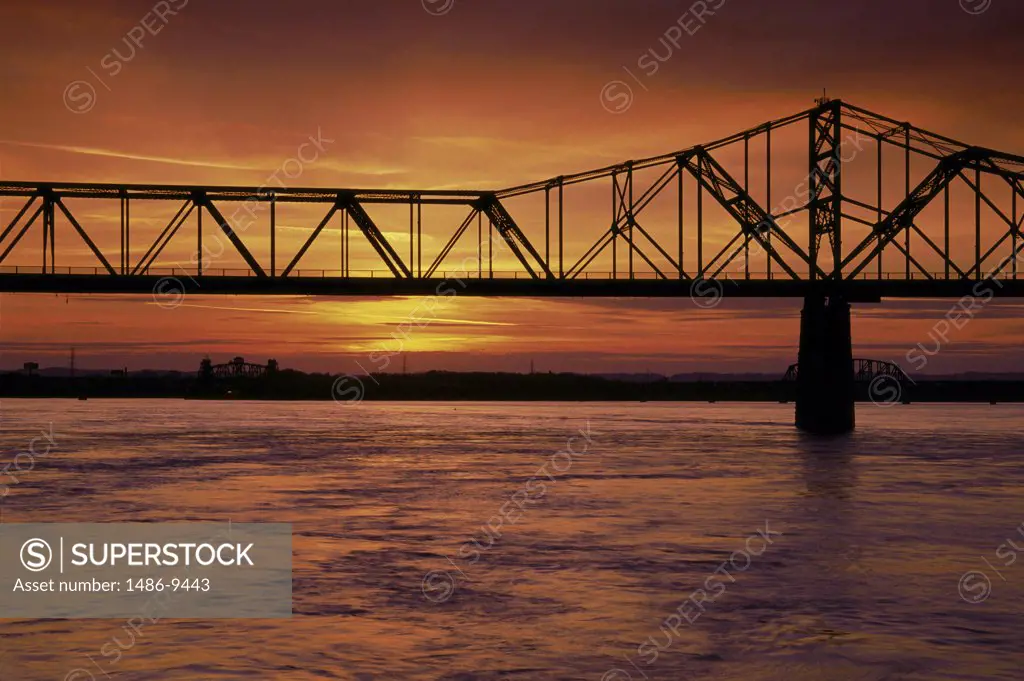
(265, 165)
(467, 322)
(109, 153)
(265, 310)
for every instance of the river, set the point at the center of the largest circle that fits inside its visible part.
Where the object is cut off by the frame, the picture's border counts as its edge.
(544, 541)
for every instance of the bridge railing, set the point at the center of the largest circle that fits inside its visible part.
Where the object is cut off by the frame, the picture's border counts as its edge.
(460, 274)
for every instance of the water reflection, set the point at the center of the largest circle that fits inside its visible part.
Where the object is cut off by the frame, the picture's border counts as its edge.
(876, 527)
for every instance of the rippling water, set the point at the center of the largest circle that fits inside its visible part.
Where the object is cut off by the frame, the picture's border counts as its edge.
(587, 574)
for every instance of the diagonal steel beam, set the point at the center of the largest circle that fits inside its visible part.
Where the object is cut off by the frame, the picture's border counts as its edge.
(513, 236)
(85, 237)
(636, 248)
(596, 249)
(1013, 227)
(753, 219)
(984, 197)
(623, 212)
(725, 249)
(21, 233)
(1006, 261)
(205, 202)
(165, 237)
(312, 237)
(902, 249)
(656, 245)
(21, 213)
(935, 247)
(376, 238)
(452, 241)
(731, 258)
(630, 209)
(902, 217)
(745, 206)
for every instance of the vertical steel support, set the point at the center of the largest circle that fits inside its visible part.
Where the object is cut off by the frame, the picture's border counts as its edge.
(837, 198)
(945, 201)
(679, 169)
(53, 237)
(615, 223)
(977, 221)
(700, 219)
(49, 233)
(547, 226)
(906, 163)
(46, 229)
(199, 241)
(127, 234)
(746, 190)
(123, 264)
(825, 204)
(628, 214)
(880, 153)
(561, 216)
(768, 197)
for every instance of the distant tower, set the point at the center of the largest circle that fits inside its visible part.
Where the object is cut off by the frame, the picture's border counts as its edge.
(405, 364)
(72, 362)
(206, 369)
(531, 367)
(272, 366)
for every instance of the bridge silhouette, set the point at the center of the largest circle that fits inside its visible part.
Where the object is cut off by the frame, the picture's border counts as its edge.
(698, 222)
(864, 371)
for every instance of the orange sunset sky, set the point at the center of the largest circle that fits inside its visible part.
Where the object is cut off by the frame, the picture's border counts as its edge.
(468, 94)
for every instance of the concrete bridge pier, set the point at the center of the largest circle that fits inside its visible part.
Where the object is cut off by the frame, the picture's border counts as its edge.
(824, 387)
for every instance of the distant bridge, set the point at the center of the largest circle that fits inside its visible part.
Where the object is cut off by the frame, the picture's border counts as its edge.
(236, 368)
(864, 371)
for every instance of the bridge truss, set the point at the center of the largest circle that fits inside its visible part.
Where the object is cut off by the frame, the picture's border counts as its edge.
(949, 220)
(864, 371)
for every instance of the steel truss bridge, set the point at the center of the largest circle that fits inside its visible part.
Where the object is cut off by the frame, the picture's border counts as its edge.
(706, 221)
(719, 220)
(864, 371)
(236, 368)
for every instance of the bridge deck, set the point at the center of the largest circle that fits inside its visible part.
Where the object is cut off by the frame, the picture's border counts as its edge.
(858, 290)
